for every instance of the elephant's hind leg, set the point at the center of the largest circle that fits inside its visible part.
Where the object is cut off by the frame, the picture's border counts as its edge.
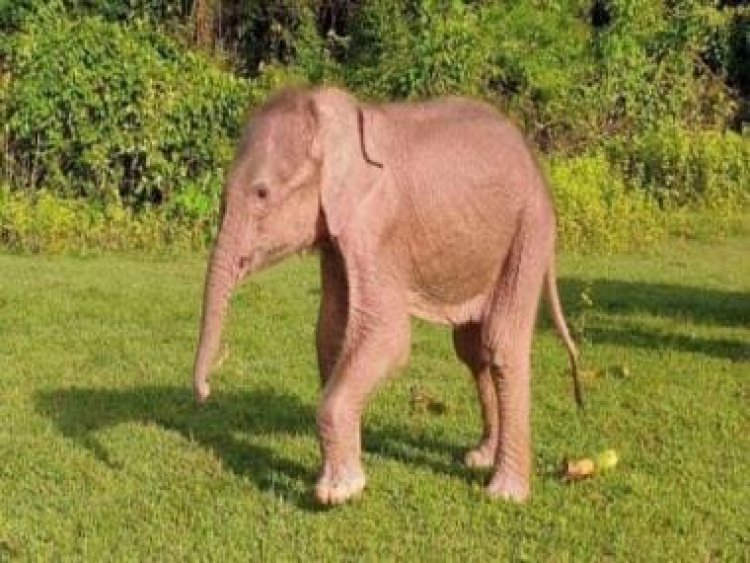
(507, 336)
(467, 340)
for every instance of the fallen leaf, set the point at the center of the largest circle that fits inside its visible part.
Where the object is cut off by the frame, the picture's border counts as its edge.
(590, 374)
(423, 401)
(620, 371)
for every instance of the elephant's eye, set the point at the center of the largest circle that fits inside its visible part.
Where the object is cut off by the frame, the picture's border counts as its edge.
(260, 191)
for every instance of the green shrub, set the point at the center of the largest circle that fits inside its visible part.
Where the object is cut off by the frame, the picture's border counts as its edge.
(313, 55)
(738, 60)
(683, 167)
(542, 70)
(13, 13)
(651, 60)
(44, 222)
(403, 49)
(573, 82)
(113, 113)
(153, 10)
(596, 211)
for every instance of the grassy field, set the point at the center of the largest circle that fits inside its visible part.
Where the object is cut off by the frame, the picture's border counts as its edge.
(103, 455)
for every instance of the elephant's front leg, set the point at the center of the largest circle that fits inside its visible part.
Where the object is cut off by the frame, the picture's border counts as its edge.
(332, 316)
(375, 344)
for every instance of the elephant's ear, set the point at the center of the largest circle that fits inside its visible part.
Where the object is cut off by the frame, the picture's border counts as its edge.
(345, 143)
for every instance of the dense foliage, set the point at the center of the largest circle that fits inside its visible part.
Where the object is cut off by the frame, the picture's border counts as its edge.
(139, 103)
(111, 113)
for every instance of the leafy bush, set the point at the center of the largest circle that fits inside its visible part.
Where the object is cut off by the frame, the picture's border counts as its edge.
(652, 65)
(596, 211)
(402, 49)
(113, 113)
(738, 60)
(44, 222)
(13, 13)
(541, 75)
(153, 10)
(684, 167)
(572, 77)
(312, 56)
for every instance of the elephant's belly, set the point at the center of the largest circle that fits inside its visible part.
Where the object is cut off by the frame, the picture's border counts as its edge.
(452, 249)
(453, 285)
(447, 313)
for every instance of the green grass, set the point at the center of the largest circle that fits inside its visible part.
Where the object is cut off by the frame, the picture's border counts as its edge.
(103, 455)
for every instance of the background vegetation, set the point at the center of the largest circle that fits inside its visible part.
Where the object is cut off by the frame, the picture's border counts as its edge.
(640, 107)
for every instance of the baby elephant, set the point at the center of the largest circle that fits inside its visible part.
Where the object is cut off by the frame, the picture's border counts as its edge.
(436, 209)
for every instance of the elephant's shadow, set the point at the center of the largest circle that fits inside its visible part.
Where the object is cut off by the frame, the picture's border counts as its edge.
(80, 414)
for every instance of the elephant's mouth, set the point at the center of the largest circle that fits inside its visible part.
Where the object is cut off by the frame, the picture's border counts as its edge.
(258, 259)
(246, 263)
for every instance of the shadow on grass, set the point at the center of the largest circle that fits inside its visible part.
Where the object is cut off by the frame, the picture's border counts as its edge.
(692, 305)
(733, 350)
(689, 303)
(80, 413)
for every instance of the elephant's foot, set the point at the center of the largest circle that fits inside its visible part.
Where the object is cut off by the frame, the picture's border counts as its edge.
(481, 457)
(507, 486)
(340, 484)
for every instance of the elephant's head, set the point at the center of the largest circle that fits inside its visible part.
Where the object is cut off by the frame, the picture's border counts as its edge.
(303, 164)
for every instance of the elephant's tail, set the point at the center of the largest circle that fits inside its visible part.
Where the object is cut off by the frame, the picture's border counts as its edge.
(562, 328)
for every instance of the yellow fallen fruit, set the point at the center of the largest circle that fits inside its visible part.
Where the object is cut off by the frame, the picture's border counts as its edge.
(606, 460)
(576, 470)
(580, 469)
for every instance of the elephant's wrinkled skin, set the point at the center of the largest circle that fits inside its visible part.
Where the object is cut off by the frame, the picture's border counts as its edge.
(434, 209)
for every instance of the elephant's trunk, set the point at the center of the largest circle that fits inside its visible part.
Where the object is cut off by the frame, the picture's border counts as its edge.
(220, 279)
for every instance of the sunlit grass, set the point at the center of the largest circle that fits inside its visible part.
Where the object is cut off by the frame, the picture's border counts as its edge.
(103, 455)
